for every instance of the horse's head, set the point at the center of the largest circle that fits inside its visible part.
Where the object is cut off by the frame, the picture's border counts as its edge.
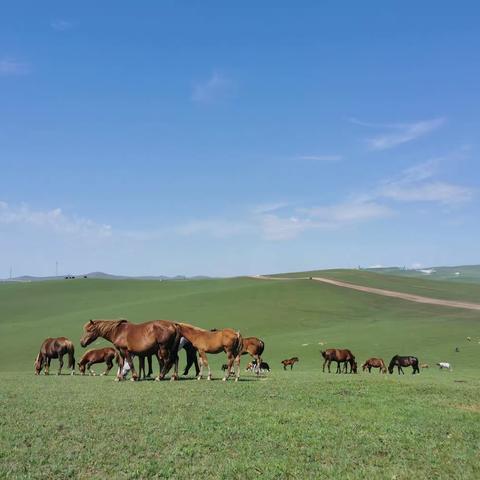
(354, 367)
(90, 333)
(38, 364)
(324, 354)
(81, 367)
(392, 364)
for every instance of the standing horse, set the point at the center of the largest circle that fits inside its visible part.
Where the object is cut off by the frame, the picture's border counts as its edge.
(344, 356)
(290, 361)
(400, 362)
(159, 337)
(254, 347)
(227, 340)
(55, 348)
(375, 363)
(98, 355)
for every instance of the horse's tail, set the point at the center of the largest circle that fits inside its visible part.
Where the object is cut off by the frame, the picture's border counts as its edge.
(176, 344)
(71, 355)
(261, 348)
(238, 345)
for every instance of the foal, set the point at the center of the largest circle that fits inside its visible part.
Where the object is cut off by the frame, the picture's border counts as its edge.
(98, 355)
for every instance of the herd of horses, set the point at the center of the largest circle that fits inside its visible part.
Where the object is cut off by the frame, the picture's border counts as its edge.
(164, 339)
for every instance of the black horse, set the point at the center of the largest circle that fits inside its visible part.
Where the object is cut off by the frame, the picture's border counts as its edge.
(400, 362)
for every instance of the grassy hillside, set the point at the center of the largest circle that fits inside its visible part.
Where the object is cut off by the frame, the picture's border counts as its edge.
(417, 285)
(293, 424)
(461, 273)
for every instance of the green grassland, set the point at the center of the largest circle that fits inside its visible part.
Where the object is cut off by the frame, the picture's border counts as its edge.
(286, 424)
(469, 292)
(460, 273)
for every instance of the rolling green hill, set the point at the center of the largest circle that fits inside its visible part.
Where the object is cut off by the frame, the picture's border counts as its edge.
(286, 424)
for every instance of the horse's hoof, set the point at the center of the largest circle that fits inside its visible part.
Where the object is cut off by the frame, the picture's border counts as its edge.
(236, 379)
(224, 379)
(102, 374)
(199, 378)
(117, 379)
(209, 377)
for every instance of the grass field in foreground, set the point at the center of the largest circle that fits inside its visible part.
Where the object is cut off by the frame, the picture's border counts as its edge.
(293, 424)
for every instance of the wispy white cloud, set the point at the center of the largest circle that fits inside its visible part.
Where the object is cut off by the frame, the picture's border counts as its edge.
(61, 25)
(54, 220)
(215, 88)
(321, 158)
(10, 67)
(399, 133)
(417, 184)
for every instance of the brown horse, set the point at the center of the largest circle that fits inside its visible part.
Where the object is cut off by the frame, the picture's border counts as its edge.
(254, 347)
(375, 363)
(405, 361)
(98, 355)
(226, 340)
(290, 361)
(344, 356)
(55, 348)
(158, 337)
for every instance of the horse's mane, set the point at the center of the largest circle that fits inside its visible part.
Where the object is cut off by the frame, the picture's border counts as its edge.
(193, 327)
(104, 327)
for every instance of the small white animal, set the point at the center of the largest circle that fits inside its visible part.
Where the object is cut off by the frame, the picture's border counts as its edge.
(444, 365)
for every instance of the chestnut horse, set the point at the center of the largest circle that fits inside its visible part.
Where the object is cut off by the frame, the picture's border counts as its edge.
(375, 363)
(159, 337)
(98, 355)
(400, 362)
(226, 340)
(55, 348)
(254, 347)
(344, 356)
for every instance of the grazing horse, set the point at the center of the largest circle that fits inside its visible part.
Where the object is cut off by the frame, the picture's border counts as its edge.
(375, 363)
(55, 348)
(290, 361)
(159, 337)
(227, 340)
(98, 355)
(344, 356)
(400, 362)
(254, 347)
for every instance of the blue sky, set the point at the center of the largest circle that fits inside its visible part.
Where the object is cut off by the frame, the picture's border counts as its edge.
(221, 139)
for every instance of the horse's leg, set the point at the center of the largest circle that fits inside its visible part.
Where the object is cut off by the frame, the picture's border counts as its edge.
(129, 359)
(237, 364)
(324, 363)
(150, 369)
(230, 359)
(60, 362)
(160, 365)
(200, 358)
(121, 364)
(328, 365)
(89, 369)
(47, 366)
(109, 367)
(141, 366)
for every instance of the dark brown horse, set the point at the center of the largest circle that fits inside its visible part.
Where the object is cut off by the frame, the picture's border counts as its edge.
(254, 347)
(405, 361)
(289, 362)
(226, 340)
(98, 355)
(55, 348)
(375, 363)
(158, 337)
(344, 356)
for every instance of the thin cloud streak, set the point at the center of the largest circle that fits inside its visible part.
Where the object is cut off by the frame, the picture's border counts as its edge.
(217, 87)
(10, 67)
(321, 158)
(399, 133)
(61, 25)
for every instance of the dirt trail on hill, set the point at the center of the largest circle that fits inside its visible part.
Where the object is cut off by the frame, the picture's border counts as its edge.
(386, 293)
